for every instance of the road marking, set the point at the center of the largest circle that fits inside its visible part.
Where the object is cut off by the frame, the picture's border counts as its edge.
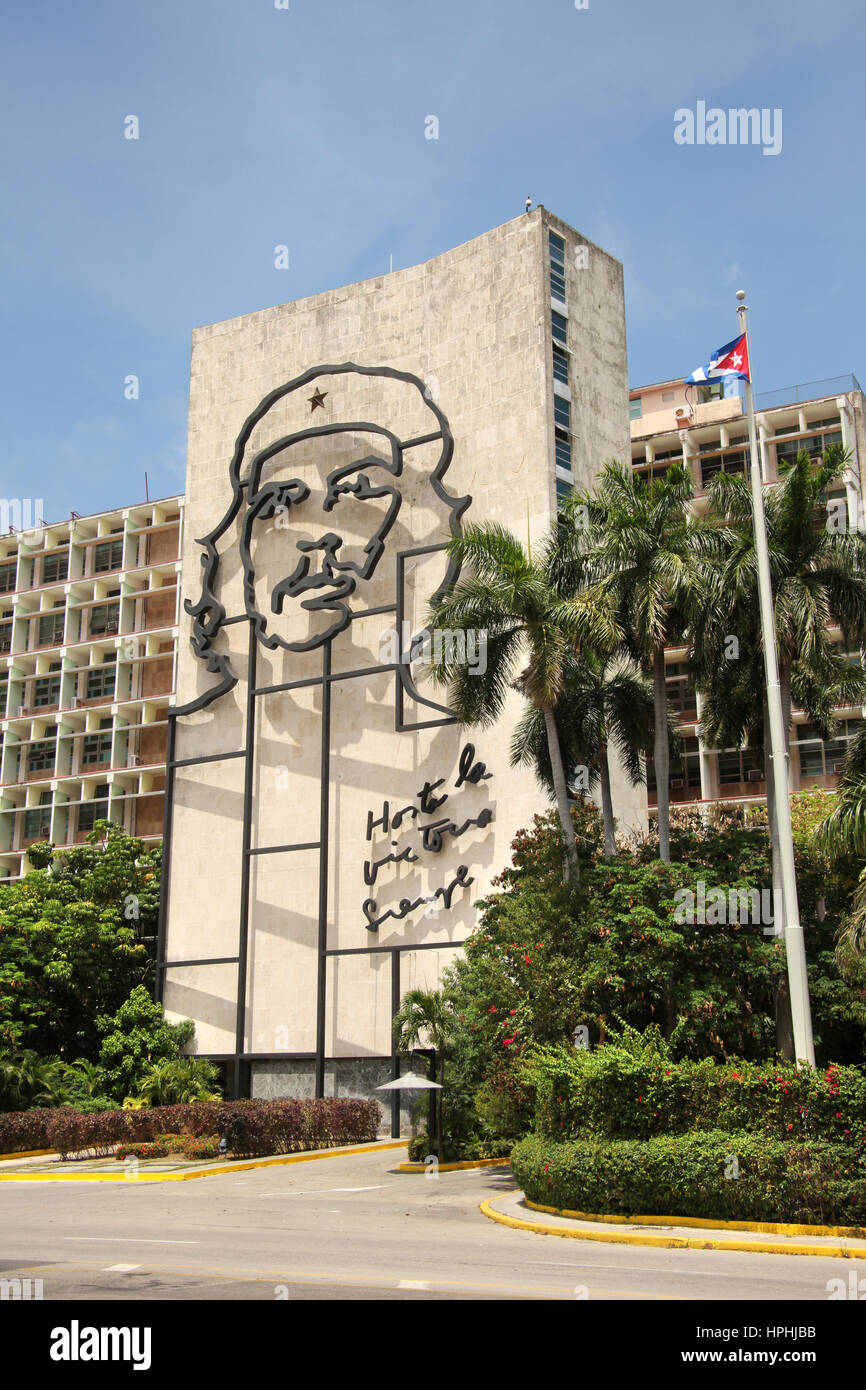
(119, 1269)
(133, 1240)
(324, 1191)
(413, 1284)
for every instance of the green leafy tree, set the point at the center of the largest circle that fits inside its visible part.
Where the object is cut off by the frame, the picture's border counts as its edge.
(135, 1039)
(513, 599)
(73, 943)
(425, 1018)
(601, 704)
(638, 548)
(179, 1080)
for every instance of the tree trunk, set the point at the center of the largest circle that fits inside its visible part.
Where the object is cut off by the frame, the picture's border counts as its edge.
(565, 821)
(607, 803)
(661, 755)
(784, 1022)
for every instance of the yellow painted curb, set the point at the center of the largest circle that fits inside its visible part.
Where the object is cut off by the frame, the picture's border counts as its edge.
(27, 1153)
(241, 1167)
(668, 1242)
(762, 1227)
(454, 1167)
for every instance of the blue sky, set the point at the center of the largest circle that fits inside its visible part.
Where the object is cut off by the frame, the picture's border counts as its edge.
(305, 127)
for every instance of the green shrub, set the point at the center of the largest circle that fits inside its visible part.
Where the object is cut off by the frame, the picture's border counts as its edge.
(154, 1150)
(712, 1174)
(632, 1089)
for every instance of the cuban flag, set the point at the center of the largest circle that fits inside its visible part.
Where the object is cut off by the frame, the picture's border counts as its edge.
(730, 360)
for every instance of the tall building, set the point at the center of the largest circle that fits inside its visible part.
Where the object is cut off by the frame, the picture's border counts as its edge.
(331, 827)
(88, 644)
(707, 432)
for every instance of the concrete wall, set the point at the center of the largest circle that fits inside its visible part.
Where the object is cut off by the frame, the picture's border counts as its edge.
(474, 326)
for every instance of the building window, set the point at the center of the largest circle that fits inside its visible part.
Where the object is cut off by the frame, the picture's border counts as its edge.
(37, 821)
(42, 755)
(562, 447)
(680, 689)
(560, 364)
(732, 461)
(55, 568)
(563, 490)
(46, 691)
(559, 328)
(740, 765)
(814, 445)
(97, 749)
(50, 629)
(635, 408)
(820, 759)
(5, 637)
(562, 413)
(556, 247)
(108, 556)
(103, 619)
(7, 577)
(101, 682)
(91, 811)
(685, 768)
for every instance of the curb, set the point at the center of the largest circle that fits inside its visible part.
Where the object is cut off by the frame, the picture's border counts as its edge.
(278, 1161)
(455, 1167)
(27, 1153)
(668, 1242)
(761, 1227)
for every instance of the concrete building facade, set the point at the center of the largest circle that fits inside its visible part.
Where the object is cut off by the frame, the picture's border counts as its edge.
(708, 433)
(88, 639)
(331, 827)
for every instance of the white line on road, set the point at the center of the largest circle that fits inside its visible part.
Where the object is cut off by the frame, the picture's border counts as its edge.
(413, 1284)
(119, 1269)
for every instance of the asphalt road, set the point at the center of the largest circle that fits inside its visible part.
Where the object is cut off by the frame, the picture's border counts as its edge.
(349, 1228)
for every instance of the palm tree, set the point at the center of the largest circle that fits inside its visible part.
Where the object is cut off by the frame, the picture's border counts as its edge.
(513, 598)
(636, 545)
(425, 1017)
(844, 832)
(602, 701)
(179, 1080)
(819, 581)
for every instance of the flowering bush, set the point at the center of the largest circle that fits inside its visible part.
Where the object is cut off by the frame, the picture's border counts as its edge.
(713, 1174)
(251, 1126)
(634, 1089)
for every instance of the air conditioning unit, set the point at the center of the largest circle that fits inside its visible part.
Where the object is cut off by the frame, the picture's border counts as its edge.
(755, 775)
(23, 711)
(77, 702)
(677, 784)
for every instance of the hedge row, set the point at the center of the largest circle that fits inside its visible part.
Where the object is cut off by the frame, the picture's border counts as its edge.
(251, 1126)
(610, 1093)
(717, 1175)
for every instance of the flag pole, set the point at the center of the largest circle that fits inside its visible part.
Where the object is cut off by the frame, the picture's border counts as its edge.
(795, 946)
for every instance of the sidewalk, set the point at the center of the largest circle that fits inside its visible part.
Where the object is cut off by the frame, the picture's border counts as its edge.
(41, 1169)
(512, 1210)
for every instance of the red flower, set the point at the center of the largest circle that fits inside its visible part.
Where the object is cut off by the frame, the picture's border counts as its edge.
(838, 1114)
(528, 960)
(493, 1008)
(513, 1012)
(790, 1126)
(736, 1074)
(507, 1041)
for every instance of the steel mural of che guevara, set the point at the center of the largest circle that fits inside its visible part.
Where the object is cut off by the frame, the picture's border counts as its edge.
(346, 810)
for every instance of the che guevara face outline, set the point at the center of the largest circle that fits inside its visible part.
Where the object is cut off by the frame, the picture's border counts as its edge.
(208, 612)
(327, 579)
